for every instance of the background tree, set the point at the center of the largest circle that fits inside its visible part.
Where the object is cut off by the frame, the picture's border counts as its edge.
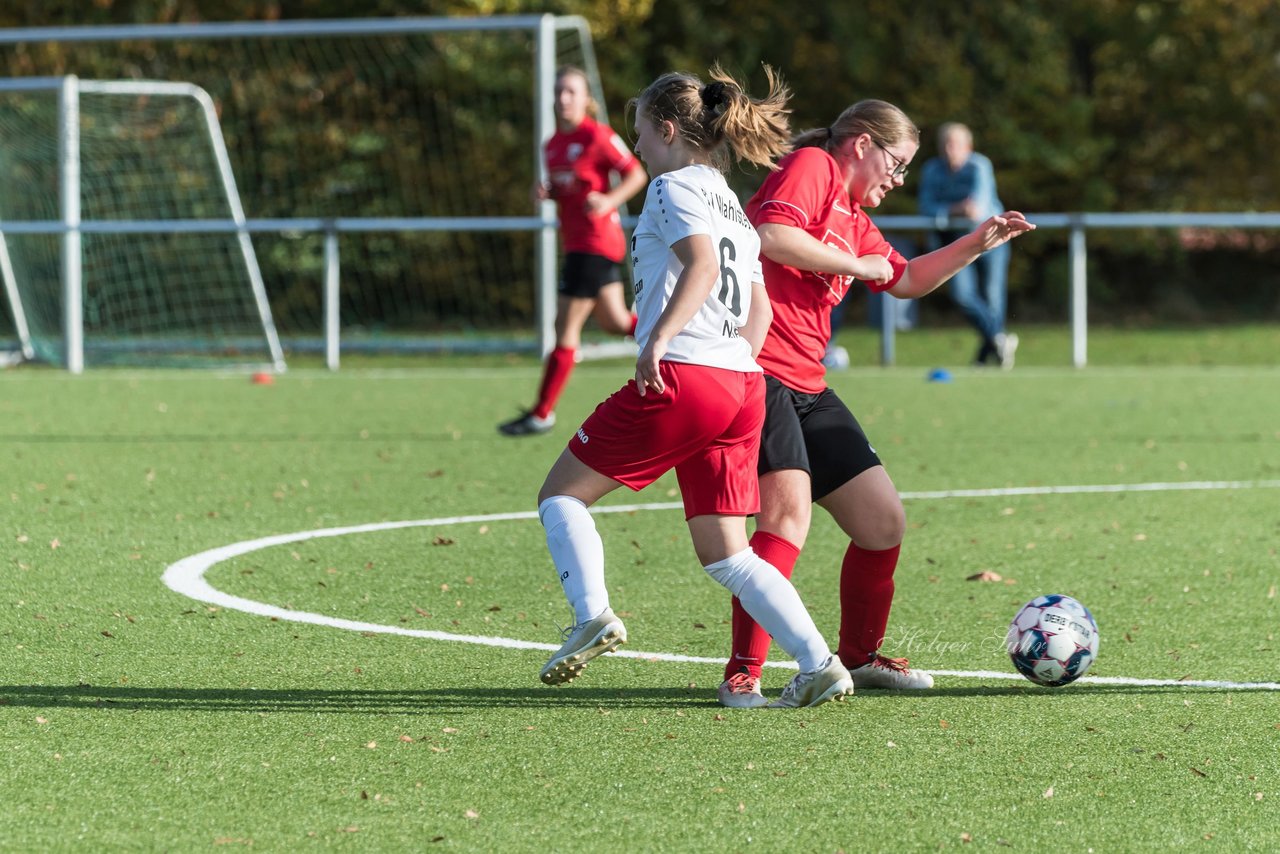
(1083, 105)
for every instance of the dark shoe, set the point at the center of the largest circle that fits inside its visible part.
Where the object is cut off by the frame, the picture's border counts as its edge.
(527, 424)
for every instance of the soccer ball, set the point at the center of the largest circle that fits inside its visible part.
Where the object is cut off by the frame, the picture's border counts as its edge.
(1053, 640)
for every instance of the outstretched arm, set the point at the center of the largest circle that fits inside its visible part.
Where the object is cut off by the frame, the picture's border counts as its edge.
(925, 272)
(795, 247)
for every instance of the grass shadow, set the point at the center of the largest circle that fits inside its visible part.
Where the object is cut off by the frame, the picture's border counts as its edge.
(411, 701)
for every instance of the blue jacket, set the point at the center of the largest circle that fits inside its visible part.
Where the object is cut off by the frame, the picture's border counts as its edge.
(940, 188)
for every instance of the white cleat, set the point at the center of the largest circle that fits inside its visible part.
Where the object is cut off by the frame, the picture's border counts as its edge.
(830, 682)
(582, 643)
(890, 673)
(741, 691)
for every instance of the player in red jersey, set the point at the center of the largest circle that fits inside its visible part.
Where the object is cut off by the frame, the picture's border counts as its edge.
(697, 401)
(815, 240)
(581, 157)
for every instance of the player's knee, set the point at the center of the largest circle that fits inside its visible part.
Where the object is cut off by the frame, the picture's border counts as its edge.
(883, 529)
(792, 526)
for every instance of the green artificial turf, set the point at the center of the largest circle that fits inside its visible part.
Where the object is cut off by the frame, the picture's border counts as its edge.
(136, 718)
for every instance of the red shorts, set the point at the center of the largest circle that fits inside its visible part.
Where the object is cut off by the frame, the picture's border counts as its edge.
(705, 425)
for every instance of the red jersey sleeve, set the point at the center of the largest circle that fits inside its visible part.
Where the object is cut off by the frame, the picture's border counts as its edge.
(796, 195)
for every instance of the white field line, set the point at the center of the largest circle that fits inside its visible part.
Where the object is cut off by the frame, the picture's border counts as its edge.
(186, 577)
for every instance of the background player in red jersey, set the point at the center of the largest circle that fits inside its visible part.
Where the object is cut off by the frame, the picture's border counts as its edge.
(815, 240)
(581, 157)
(697, 401)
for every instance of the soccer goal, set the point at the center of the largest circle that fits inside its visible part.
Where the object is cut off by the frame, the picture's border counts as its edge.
(385, 167)
(122, 235)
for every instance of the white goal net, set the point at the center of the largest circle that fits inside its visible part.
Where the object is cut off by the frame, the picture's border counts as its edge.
(97, 180)
(384, 167)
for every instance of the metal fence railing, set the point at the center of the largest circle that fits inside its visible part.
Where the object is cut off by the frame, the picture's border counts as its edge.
(1077, 226)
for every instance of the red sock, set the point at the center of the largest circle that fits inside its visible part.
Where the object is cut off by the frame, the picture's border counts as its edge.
(554, 377)
(750, 642)
(866, 594)
(632, 331)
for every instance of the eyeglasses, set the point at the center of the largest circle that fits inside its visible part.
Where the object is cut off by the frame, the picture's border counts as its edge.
(899, 165)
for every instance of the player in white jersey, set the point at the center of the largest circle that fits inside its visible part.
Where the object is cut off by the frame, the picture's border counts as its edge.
(696, 200)
(697, 401)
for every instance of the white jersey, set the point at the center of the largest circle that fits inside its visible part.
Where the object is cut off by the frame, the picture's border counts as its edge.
(689, 201)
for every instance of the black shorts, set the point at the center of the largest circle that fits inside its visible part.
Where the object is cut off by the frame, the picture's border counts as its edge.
(583, 275)
(815, 433)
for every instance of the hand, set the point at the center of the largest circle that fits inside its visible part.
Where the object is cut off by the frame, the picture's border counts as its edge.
(540, 192)
(1002, 228)
(874, 269)
(647, 373)
(597, 204)
(964, 209)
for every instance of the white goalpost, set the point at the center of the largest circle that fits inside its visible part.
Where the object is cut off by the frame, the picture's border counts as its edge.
(122, 269)
(380, 201)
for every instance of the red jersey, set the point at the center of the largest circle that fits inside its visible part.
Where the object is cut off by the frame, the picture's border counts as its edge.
(807, 192)
(578, 163)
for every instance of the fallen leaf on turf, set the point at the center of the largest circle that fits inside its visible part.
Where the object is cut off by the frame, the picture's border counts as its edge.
(986, 575)
(966, 837)
(442, 541)
(407, 739)
(1048, 793)
(1198, 772)
(41, 719)
(449, 730)
(471, 814)
(373, 745)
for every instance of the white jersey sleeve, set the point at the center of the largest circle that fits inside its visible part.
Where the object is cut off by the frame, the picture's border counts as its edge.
(680, 204)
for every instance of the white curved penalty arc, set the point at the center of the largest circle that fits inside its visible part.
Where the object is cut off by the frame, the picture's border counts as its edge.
(186, 577)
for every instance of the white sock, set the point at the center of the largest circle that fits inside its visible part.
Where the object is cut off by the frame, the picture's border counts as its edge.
(773, 602)
(578, 553)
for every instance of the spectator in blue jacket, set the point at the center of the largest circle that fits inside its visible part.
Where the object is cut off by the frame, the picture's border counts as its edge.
(960, 183)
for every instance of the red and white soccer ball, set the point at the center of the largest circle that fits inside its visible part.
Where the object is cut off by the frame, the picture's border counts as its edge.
(1053, 640)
